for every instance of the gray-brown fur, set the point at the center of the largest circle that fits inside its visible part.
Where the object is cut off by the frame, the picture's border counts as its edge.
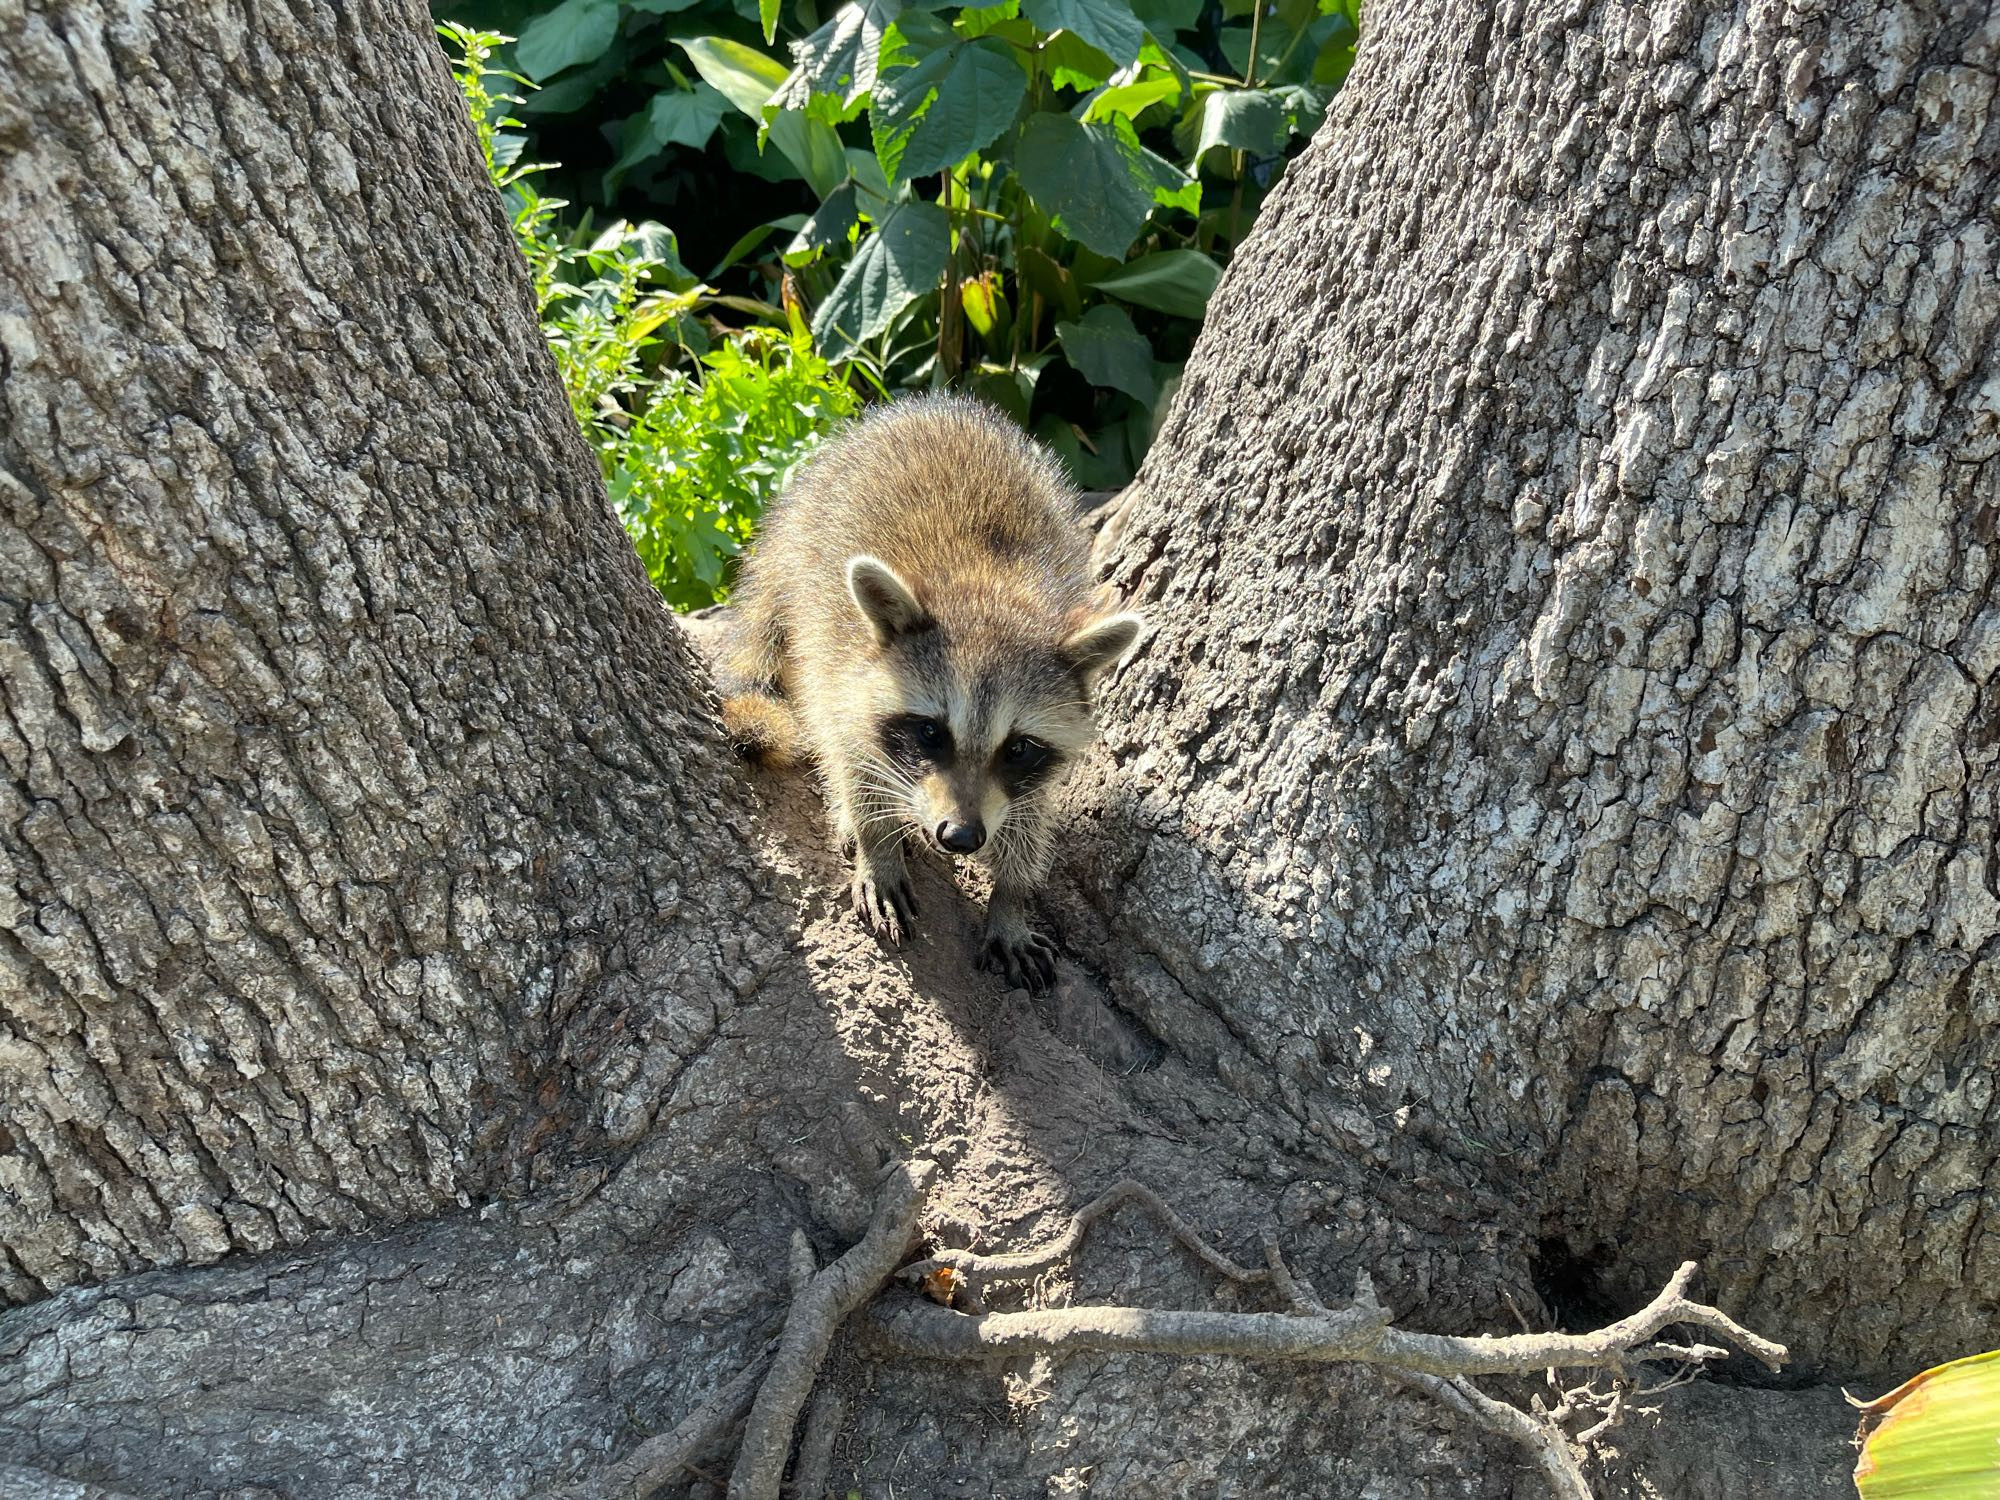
(926, 568)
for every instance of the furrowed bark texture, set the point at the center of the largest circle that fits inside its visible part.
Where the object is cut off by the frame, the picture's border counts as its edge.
(371, 850)
(1568, 741)
(333, 813)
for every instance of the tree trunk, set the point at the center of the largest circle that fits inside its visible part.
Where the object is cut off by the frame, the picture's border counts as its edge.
(342, 731)
(1570, 737)
(1545, 836)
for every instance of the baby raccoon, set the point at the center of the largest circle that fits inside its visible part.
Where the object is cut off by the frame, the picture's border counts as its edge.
(917, 617)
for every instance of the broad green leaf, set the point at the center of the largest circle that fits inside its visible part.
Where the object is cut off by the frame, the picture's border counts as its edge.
(1109, 351)
(1097, 463)
(1178, 282)
(676, 117)
(1250, 120)
(900, 261)
(662, 7)
(977, 20)
(1152, 86)
(1049, 279)
(687, 117)
(813, 148)
(867, 173)
(840, 60)
(750, 239)
(976, 101)
(742, 75)
(827, 229)
(915, 33)
(1938, 1437)
(1094, 183)
(1073, 63)
(747, 79)
(574, 32)
(1165, 17)
(985, 304)
(897, 107)
(1108, 25)
(1172, 188)
(578, 88)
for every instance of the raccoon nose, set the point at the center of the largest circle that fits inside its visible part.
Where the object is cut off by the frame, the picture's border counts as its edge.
(960, 838)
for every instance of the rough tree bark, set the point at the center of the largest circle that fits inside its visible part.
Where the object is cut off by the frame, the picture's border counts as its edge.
(376, 866)
(1571, 736)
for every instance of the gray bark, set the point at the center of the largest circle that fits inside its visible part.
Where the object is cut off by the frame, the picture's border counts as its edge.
(339, 808)
(1569, 743)
(387, 923)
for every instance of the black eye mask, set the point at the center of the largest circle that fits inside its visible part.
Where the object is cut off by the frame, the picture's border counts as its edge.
(915, 741)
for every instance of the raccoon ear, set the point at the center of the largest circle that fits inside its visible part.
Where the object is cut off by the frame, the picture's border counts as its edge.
(1100, 644)
(887, 603)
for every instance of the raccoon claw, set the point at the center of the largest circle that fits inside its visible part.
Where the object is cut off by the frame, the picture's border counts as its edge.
(886, 907)
(1027, 960)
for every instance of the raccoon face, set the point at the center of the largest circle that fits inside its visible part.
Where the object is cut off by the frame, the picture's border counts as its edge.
(975, 722)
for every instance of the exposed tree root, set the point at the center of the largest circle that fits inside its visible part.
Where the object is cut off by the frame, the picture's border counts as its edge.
(817, 1313)
(1358, 1332)
(815, 1465)
(1544, 1441)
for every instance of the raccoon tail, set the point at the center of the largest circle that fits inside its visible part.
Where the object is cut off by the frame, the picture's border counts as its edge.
(762, 728)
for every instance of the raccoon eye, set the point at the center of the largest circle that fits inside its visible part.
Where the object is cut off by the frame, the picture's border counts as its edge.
(930, 734)
(1021, 753)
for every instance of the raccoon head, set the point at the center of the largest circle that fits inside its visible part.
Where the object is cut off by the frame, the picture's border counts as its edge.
(974, 721)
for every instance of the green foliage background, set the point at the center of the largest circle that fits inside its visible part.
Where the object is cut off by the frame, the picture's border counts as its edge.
(1032, 199)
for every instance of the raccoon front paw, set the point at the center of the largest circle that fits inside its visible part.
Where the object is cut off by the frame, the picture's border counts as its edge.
(1022, 956)
(885, 904)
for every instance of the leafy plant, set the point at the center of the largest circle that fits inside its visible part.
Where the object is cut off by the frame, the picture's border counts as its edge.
(1032, 197)
(1936, 1436)
(696, 434)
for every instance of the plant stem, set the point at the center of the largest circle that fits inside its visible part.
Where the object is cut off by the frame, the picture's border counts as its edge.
(1250, 69)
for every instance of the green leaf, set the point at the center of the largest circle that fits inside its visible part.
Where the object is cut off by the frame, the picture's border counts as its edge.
(574, 32)
(1074, 64)
(1109, 351)
(1101, 465)
(1050, 279)
(742, 75)
(747, 79)
(1938, 1437)
(575, 90)
(898, 263)
(1250, 120)
(827, 229)
(975, 101)
(1094, 182)
(662, 7)
(901, 98)
(1108, 25)
(767, 17)
(841, 59)
(677, 117)
(1177, 282)
(750, 239)
(1165, 17)
(1134, 98)
(977, 20)
(812, 147)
